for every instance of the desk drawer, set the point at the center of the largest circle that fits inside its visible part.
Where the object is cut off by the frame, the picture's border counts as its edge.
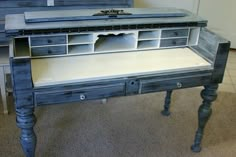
(174, 33)
(50, 50)
(56, 97)
(173, 42)
(154, 85)
(47, 40)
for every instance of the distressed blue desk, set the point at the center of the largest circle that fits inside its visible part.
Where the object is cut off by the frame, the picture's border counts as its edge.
(69, 56)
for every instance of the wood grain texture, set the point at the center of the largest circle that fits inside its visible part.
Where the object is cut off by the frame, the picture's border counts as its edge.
(51, 71)
(174, 33)
(154, 85)
(80, 94)
(128, 3)
(208, 95)
(50, 50)
(21, 74)
(173, 42)
(82, 3)
(22, 3)
(88, 14)
(11, 21)
(215, 49)
(48, 40)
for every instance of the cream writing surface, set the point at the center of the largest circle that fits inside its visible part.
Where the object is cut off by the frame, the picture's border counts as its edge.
(52, 71)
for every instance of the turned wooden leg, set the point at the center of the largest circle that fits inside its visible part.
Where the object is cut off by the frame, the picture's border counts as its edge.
(26, 120)
(209, 95)
(166, 111)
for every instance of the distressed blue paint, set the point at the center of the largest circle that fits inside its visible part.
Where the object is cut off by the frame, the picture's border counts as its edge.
(210, 46)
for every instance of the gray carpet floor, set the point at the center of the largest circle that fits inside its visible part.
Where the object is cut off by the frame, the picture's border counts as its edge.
(126, 127)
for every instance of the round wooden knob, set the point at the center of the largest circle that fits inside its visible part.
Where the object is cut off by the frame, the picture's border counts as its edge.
(82, 97)
(176, 33)
(174, 42)
(49, 41)
(179, 84)
(49, 51)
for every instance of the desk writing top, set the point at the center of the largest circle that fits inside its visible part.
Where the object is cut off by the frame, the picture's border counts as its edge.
(17, 22)
(52, 71)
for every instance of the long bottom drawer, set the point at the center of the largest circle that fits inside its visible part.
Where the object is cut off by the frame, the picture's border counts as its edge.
(55, 97)
(154, 85)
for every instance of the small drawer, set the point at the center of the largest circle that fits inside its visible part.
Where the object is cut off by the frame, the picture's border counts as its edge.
(153, 85)
(174, 33)
(46, 51)
(73, 95)
(173, 42)
(47, 40)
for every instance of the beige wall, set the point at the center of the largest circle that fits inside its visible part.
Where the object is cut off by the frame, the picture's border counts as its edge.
(221, 17)
(190, 5)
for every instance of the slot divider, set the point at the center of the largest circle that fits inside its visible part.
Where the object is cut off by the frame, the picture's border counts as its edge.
(80, 43)
(29, 40)
(49, 45)
(188, 35)
(67, 42)
(176, 37)
(148, 39)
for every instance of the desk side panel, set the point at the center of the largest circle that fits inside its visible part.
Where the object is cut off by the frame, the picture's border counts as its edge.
(214, 49)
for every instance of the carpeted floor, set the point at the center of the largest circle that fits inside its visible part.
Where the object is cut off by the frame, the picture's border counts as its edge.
(127, 127)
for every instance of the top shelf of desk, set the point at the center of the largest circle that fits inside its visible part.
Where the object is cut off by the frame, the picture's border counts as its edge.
(86, 43)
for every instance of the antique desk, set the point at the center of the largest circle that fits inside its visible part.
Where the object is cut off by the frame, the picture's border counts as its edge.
(69, 56)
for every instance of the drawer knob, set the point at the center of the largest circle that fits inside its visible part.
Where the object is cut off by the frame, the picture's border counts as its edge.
(176, 33)
(49, 41)
(82, 97)
(49, 51)
(179, 84)
(174, 42)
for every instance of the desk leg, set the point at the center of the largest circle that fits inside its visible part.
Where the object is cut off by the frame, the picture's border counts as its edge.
(209, 95)
(166, 111)
(3, 90)
(26, 120)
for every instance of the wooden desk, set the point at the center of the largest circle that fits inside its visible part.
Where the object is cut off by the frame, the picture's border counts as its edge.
(71, 61)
